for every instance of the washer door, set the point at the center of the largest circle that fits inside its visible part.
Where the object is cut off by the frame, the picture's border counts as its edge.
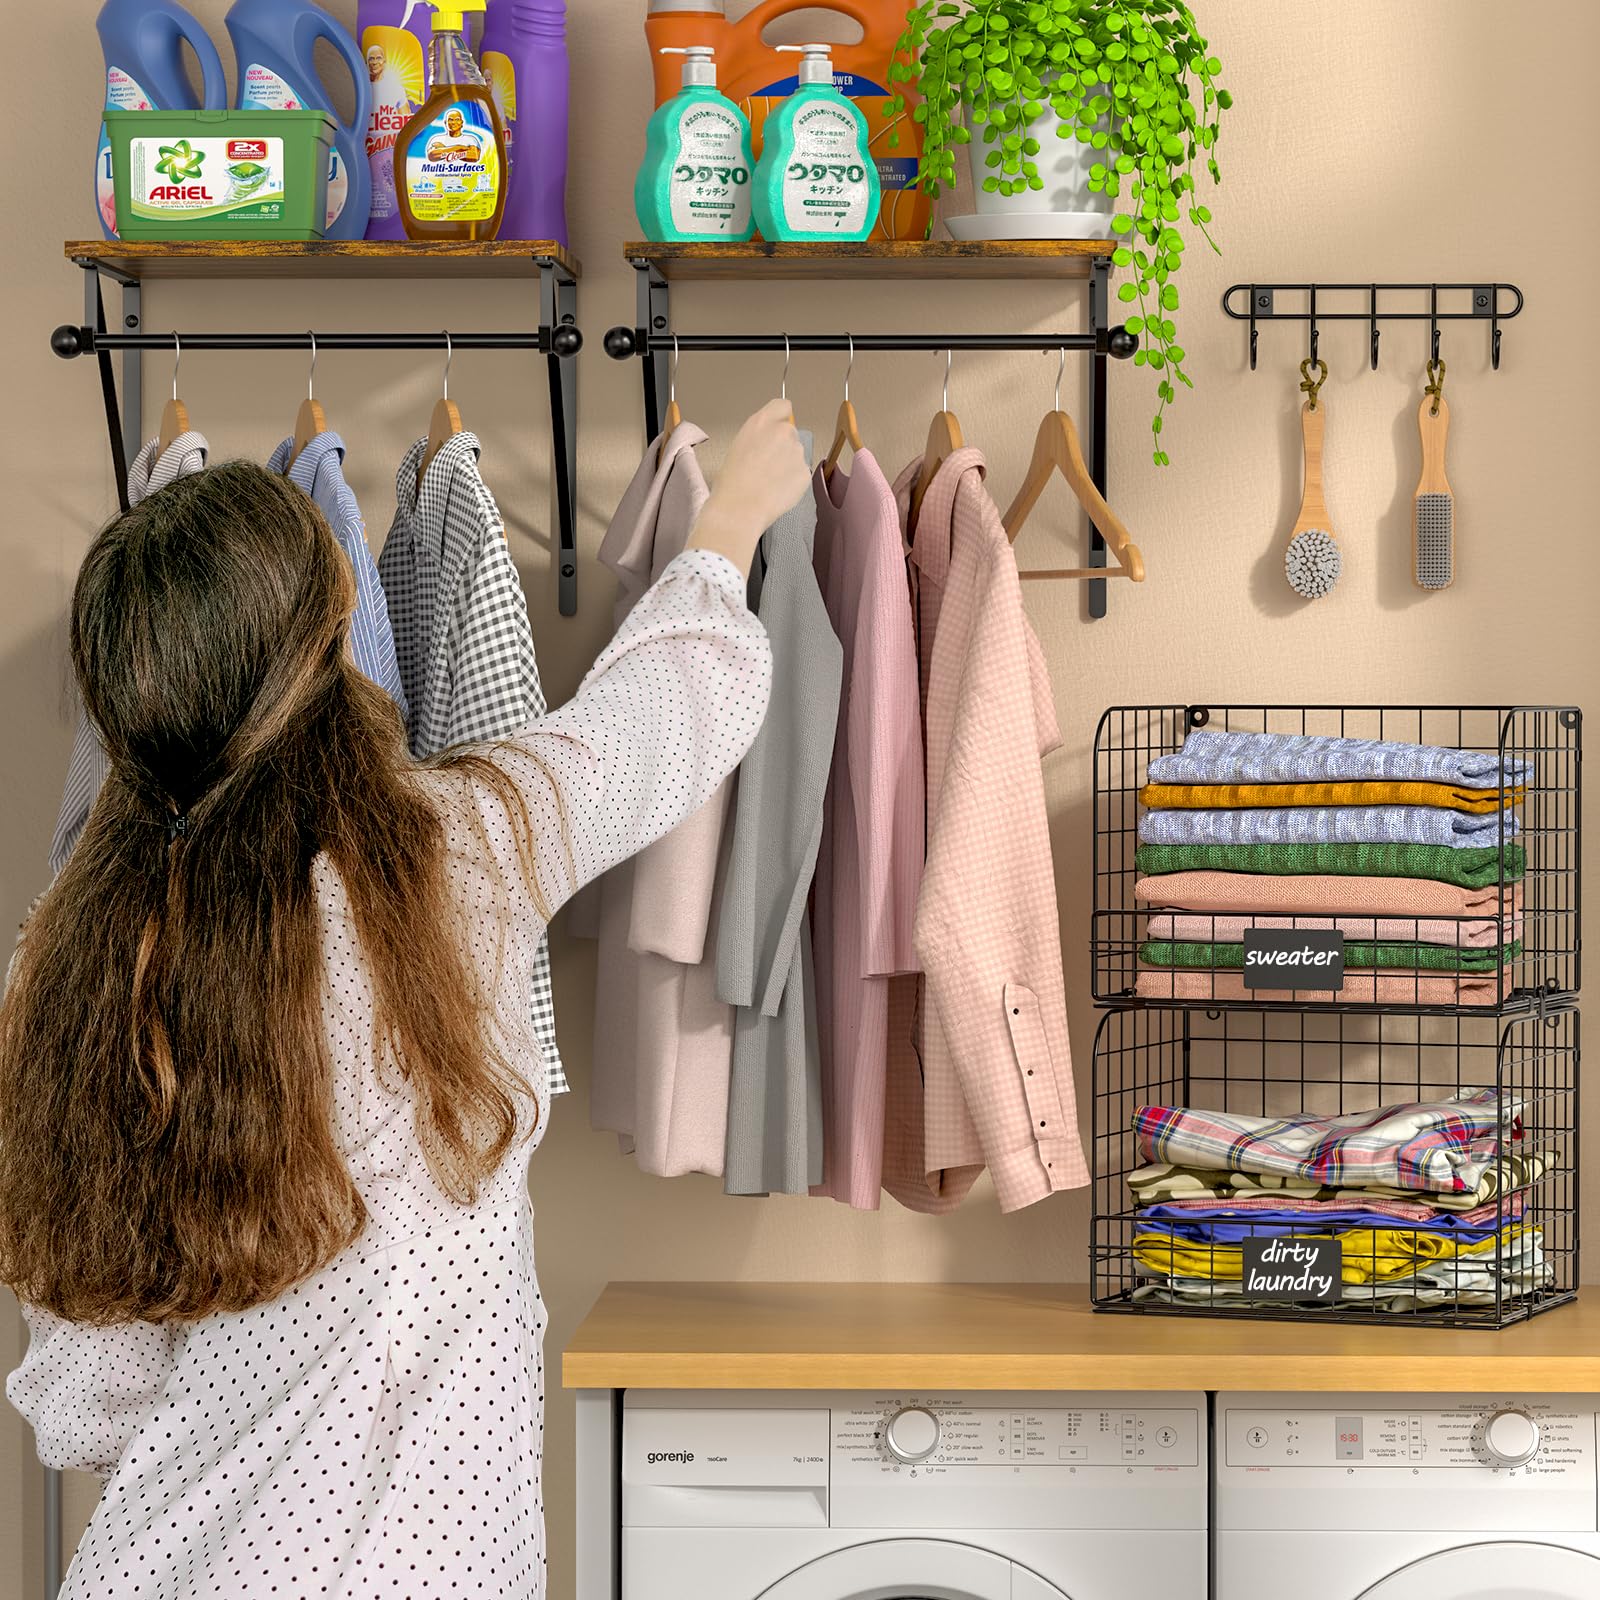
(1520, 1571)
(912, 1569)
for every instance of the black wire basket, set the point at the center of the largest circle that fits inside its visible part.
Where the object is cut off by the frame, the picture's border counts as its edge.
(1511, 952)
(1518, 1253)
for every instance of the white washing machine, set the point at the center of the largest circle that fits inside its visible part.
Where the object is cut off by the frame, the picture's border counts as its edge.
(818, 1496)
(1406, 1497)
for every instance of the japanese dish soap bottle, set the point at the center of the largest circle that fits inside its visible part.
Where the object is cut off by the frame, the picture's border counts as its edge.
(273, 45)
(695, 179)
(524, 59)
(396, 53)
(816, 178)
(143, 42)
(449, 163)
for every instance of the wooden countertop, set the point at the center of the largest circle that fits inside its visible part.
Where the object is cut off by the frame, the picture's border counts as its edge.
(1037, 1336)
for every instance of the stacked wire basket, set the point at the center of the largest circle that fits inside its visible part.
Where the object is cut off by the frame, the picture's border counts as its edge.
(1282, 1055)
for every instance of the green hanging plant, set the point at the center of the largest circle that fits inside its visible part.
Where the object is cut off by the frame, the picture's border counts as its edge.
(1133, 78)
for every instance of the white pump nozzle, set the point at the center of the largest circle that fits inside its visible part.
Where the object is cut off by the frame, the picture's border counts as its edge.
(816, 61)
(699, 66)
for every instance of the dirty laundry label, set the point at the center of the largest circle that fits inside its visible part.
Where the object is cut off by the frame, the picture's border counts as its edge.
(241, 179)
(825, 184)
(453, 166)
(264, 90)
(1286, 958)
(122, 94)
(1293, 1269)
(710, 181)
(396, 69)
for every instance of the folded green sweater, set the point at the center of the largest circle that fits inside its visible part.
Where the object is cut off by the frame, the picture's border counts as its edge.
(1470, 868)
(1413, 957)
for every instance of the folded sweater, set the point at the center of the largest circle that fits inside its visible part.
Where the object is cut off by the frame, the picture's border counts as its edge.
(1191, 986)
(1333, 896)
(1454, 830)
(1228, 927)
(1210, 796)
(1470, 868)
(1357, 953)
(1213, 756)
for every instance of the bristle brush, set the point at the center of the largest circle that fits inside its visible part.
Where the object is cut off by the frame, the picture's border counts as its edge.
(1312, 562)
(1433, 527)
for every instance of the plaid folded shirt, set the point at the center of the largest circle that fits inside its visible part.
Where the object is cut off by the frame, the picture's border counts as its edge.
(1431, 1146)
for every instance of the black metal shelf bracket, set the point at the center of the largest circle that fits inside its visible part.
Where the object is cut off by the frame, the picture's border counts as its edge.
(1255, 303)
(557, 337)
(654, 341)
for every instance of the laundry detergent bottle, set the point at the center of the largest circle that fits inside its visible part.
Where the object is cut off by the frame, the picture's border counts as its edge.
(273, 45)
(816, 178)
(143, 42)
(524, 59)
(394, 42)
(695, 179)
(449, 163)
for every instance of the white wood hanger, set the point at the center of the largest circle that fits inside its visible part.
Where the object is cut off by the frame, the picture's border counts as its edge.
(174, 414)
(445, 423)
(310, 420)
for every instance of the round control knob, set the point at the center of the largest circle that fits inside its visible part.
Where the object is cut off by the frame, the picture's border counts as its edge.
(912, 1435)
(1511, 1438)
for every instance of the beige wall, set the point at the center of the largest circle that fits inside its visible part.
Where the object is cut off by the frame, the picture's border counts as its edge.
(1407, 141)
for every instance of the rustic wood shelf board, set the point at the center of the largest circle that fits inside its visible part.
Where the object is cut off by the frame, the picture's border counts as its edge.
(938, 258)
(320, 258)
(1038, 1336)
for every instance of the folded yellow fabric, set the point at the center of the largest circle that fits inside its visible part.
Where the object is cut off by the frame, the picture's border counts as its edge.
(1371, 1255)
(1229, 796)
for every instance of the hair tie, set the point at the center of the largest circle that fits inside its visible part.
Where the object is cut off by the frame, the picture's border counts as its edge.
(177, 827)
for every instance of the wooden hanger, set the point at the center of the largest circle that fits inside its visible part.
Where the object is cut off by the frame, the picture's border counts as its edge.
(445, 423)
(944, 439)
(847, 431)
(1056, 449)
(310, 419)
(174, 414)
(674, 417)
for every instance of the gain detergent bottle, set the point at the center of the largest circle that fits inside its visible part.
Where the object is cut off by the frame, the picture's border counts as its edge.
(816, 178)
(273, 44)
(143, 42)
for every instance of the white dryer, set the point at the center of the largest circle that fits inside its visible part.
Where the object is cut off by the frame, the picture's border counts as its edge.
(1406, 1497)
(802, 1496)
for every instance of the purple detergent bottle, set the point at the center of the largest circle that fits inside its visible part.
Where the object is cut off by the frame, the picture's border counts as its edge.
(395, 48)
(524, 58)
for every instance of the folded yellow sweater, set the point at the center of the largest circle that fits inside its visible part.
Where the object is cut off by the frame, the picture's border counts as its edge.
(1228, 796)
(1371, 1255)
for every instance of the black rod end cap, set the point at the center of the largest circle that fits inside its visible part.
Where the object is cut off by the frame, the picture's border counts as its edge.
(1121, 343)
(68, 341)
(621, 343)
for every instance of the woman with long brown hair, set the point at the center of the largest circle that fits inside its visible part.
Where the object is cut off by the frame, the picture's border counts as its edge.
(265, 1058)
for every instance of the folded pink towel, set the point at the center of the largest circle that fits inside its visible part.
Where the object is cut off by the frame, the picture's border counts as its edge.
(1323, 895)
(1229, 928)
(1361, 987)
(1403, 1210)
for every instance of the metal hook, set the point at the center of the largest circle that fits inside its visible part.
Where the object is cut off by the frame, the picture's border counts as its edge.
(949, 357)
(449, 356)
(1316, 333)
(311, 376)
(783, 388)
(1375, 329)
(177, 361)
(1061, 369)
(672, 374)
(1433, 323)
(851, 368)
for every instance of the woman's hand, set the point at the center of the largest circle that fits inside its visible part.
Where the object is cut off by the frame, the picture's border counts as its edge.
(764, 476)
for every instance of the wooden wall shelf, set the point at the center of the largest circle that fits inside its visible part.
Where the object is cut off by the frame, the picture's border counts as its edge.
(321, 258)
(936, 258)
(917, 1337)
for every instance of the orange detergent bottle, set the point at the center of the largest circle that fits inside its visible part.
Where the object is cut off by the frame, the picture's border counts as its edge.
(757, 78)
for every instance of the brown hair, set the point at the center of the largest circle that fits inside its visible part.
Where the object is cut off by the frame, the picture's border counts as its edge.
(166, 1094)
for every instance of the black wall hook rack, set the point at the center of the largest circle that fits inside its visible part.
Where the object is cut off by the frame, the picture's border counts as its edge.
(557, 337)
(1494, 303)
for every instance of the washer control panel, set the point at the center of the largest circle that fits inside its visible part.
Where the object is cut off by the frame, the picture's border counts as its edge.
(1534, 1436)
(932, 1436)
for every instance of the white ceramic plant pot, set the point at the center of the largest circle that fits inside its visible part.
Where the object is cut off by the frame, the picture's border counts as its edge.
(1063, 209)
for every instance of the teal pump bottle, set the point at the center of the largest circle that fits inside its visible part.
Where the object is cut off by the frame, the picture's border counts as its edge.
(694, 182)
(816, 178)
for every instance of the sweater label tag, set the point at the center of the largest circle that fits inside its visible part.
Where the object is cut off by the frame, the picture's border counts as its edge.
(1293, 958)
(1293, 1267)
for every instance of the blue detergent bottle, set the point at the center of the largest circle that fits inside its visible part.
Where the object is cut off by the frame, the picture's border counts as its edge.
(273, 45)
(143, 42)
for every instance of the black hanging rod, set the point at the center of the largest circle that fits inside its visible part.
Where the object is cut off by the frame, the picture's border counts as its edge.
(68, 341)
(621, 343)
(1483, 305)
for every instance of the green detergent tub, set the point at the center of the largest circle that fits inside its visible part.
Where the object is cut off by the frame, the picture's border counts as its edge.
(220, 174)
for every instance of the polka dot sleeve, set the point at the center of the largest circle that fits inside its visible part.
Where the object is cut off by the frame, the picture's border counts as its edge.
(86, 1390)
(665, 714)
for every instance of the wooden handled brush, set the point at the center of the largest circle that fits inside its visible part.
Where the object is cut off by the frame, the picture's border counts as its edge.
(1312, 563)
(1433, 527)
